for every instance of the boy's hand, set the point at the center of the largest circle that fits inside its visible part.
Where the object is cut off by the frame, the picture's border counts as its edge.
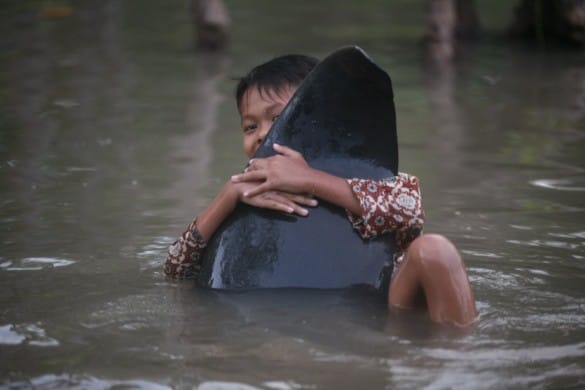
(275, 200)
(287, 172)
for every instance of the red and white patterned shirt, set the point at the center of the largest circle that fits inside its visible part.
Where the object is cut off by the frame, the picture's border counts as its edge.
(392, 205)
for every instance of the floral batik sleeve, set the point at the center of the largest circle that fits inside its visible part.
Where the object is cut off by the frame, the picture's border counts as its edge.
(184, 257)
(389, 205)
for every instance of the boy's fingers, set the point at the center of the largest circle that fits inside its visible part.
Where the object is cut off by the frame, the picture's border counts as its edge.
(248, 176)
(289, 209)
(256, 190)
(301, 211)
(275, 201)
(284, 150)
(271, 204)
(292, 206)
(255, 164)
(281, 207)
(302, 199)
(281, 149)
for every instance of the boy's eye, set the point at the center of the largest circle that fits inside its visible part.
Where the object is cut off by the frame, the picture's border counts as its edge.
(249, 128)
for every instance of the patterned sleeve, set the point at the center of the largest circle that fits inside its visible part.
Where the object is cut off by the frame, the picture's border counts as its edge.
(184, 257)
(388, 205)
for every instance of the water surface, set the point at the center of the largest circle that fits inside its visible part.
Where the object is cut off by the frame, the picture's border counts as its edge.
(114, 134)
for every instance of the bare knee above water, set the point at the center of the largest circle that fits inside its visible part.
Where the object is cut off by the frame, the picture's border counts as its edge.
(434, 252)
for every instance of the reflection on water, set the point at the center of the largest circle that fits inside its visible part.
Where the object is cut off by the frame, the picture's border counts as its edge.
(564, 184)
(113, 136)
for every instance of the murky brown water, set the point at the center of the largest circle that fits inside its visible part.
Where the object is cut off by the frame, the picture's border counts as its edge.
(113, 135)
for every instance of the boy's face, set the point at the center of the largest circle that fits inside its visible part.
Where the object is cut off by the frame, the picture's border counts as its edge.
(258, 111)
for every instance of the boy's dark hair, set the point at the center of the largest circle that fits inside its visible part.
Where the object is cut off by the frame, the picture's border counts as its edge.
(287, 70)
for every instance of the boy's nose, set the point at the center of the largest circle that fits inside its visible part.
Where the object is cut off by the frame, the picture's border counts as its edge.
(262, 134)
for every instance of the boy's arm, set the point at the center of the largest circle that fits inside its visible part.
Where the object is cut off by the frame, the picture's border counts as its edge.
(374, 207)
(184, 255)
(387, 205)
(289, 172)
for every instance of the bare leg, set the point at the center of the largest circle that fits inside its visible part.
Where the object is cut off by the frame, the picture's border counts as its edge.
(434, 267)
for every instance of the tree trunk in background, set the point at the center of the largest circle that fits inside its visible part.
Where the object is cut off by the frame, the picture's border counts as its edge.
(440, 34)
(467, 23)
(212, 24)
(562, 21)
(448, 20)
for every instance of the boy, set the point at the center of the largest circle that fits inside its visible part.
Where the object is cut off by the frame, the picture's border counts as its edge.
(428, 268)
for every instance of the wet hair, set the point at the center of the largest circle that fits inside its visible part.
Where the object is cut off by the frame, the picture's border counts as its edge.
(276, 74)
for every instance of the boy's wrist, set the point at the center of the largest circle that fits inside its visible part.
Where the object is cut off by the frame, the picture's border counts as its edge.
(231, 195)
(236, 193)
(312, 182)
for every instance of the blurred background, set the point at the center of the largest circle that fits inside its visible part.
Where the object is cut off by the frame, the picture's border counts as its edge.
(118, 125)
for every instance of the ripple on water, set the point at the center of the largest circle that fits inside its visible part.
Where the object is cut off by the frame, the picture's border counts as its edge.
(481, 368)
(545, 244)
(481, 254)
(154, 252)
(217, 385)
(35, 264)
(275, 385)
(81, 169)
(497, 357)
(52, 381)
(576, 235)
(566, 184)
(521, 227)
(26, 334)
(494, 279)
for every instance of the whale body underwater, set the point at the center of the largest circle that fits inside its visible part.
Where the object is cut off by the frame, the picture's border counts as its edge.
(342, 120)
